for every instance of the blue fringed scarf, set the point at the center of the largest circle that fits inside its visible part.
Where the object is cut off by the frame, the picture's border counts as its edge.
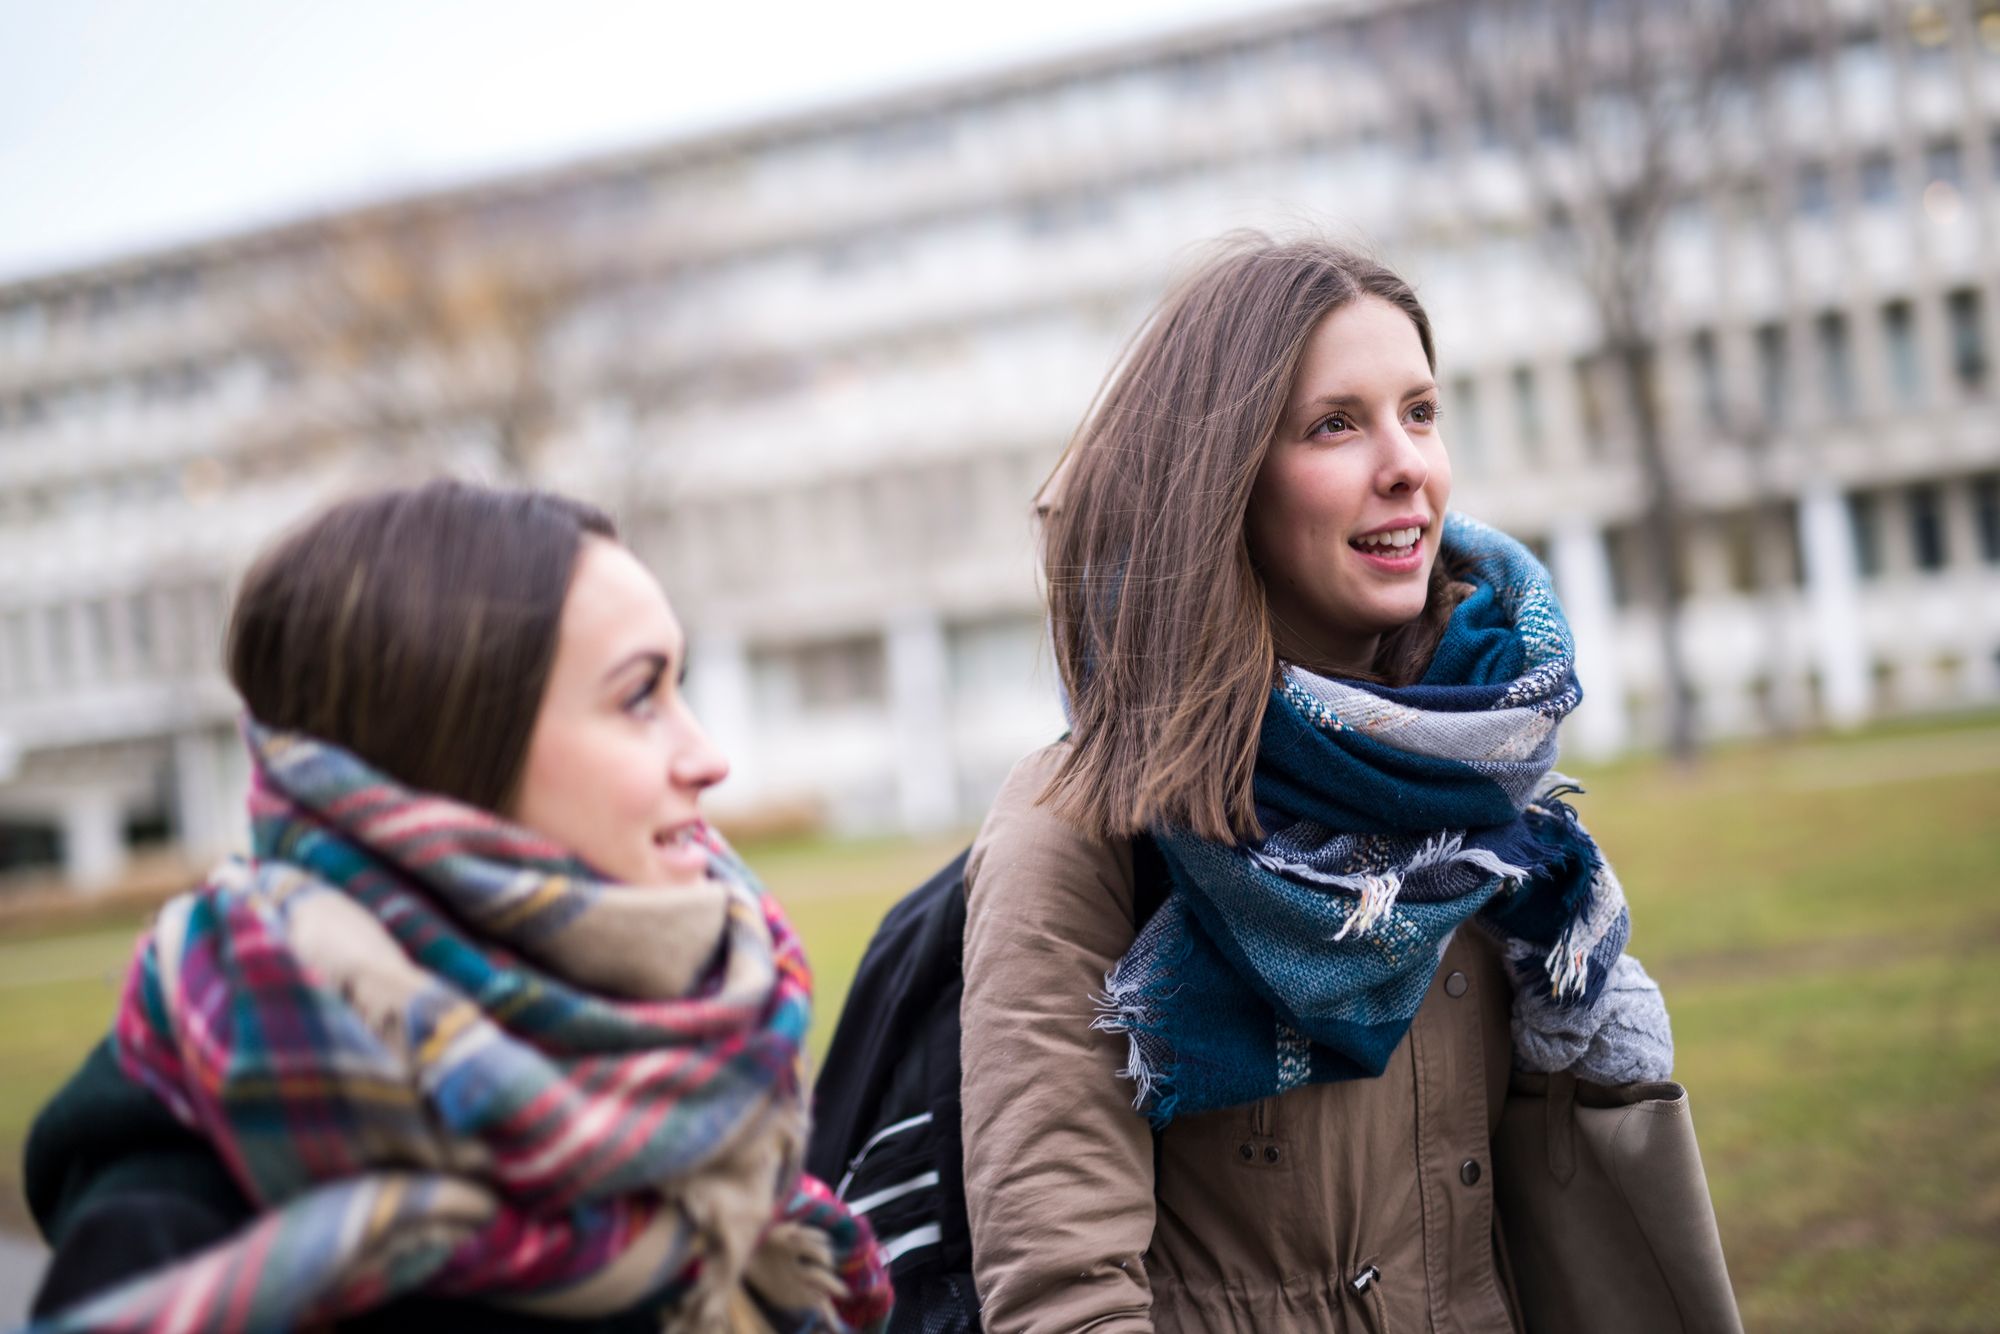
(1393, 816)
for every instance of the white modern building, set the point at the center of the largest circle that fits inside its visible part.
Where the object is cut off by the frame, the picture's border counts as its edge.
(819, 366)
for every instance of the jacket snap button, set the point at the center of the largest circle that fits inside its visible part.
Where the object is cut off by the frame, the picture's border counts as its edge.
(1247, 1152)
(1270, 1153)
(1468, 1171)
(1456, 984)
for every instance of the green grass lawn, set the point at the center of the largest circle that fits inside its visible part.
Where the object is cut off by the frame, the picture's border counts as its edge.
(1824, 917)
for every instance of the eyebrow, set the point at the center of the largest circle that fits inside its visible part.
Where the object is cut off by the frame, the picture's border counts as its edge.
(1355, 400)
(654, 660)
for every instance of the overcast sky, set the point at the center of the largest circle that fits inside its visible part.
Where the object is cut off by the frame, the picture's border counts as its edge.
(128, 124)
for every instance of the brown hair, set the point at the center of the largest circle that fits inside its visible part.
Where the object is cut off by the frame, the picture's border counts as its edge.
(1162, 632)
(416, 628)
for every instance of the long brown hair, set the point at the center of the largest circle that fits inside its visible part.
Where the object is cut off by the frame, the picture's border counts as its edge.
(1161, 627)
(416, 628)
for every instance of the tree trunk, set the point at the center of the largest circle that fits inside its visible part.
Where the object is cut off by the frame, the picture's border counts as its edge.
(1660, 529)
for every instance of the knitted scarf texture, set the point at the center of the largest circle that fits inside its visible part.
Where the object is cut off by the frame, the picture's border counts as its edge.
(441, 1055)
(1393, 817)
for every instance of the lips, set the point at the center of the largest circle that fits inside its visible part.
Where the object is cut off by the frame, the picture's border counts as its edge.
(682, 850)
(1396, 547)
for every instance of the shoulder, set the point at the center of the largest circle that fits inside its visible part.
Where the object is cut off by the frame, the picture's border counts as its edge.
(104, 1135)
(1026, 854)
(1021, 827)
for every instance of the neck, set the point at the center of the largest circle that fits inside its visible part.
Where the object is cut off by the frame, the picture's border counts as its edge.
(1329, 655)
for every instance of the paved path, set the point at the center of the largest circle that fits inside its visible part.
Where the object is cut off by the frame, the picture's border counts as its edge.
(20, 1268)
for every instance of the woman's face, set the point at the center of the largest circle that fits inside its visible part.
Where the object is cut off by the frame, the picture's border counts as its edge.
(616, 764)
(1345, 513)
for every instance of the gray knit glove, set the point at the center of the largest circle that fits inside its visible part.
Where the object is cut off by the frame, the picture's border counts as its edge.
(1623, 1039)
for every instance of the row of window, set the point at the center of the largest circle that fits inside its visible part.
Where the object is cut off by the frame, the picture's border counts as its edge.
(173, 384)
(1753, 550)
(985, 659)
(1919, 513)
(1773, 364)
(910, 518)
(1966, 359)
(153, 633)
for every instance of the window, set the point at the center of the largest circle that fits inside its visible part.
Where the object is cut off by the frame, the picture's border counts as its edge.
(1708, 371)
(1486, 121)
(1944, 163)
(1926, 510)
(1899, 334)
(1815, 193)
(1527, 412)
(1986, 516)
(840, 673)
(1590, 402)
(1794, 545)
(1878, 179)
(995, 657)
(1836, 361)
(1463, 435)
(1773, 376)
(20, 665)
(1429, 139)
(1634, 580)
(1862, 519)
(1968, 338)
(140, 618)
(1861, 71)
(1552, 116)
(57, 644)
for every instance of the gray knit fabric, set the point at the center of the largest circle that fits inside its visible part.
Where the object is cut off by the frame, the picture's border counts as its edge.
(1623, 1039)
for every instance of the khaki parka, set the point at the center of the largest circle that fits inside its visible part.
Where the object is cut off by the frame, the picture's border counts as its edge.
(1358, 1206)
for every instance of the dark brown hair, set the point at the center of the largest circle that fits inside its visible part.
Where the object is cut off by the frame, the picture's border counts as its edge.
(1162, 631)
(416, 628)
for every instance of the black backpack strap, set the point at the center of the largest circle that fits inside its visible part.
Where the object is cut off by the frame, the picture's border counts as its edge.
(1151, 880)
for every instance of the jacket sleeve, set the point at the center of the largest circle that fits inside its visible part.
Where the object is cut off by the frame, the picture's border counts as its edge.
(1058, 1166)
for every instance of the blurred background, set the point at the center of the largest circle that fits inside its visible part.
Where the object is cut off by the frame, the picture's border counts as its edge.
(812, 301)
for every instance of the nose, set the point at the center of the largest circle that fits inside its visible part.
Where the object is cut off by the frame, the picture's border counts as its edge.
(697, 762)
(1403, 470)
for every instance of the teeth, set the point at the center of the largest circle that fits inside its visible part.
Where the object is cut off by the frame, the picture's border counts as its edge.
(1397, 537)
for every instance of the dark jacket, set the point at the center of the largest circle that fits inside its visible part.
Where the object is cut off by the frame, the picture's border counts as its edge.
(119, 1187)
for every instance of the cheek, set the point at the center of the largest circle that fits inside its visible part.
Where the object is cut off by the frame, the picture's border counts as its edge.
(585, 782)
(1439, 485)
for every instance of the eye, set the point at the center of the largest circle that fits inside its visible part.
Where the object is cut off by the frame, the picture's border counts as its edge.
(1424, 412)
(644, 702)
(1332, 424)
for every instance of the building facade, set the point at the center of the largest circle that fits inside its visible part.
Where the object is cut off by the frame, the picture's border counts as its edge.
(818, 368)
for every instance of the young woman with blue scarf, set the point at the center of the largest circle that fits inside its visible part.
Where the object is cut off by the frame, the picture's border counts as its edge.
(1331, 705)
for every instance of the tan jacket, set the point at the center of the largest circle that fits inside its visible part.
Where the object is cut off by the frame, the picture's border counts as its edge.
(1263, 1217)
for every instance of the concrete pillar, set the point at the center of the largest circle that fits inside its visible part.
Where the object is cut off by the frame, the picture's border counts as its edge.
(203, 823)
(721, 693)
(1583, 573)
(919, 708)
(93, 839)
(1833, 600)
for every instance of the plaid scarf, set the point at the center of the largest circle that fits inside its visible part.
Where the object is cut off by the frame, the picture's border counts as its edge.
(442, 1056)
(1393, 817)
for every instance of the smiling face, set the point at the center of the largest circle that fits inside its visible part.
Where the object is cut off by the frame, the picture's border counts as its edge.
(1345, 514)
(617, 764)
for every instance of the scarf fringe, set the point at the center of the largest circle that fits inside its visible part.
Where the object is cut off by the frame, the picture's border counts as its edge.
(1379, 890)
(1129, 1006)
